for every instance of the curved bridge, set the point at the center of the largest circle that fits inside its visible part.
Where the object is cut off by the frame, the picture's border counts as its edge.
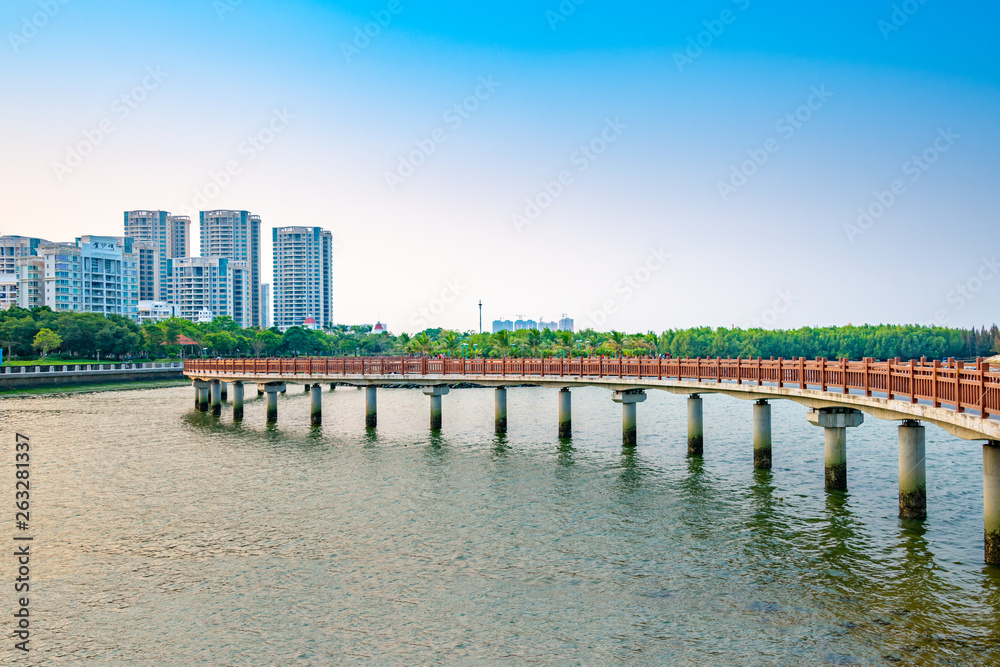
(961, 398)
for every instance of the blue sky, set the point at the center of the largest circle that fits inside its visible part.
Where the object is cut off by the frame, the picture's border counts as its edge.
(608, 169)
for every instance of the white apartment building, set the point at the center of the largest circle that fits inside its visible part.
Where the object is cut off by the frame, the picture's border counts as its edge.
(155, 311)
(97, 274)
(235, 235)
(216, 284)
(303, 275)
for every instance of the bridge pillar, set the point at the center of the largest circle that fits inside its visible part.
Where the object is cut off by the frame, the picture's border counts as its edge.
(216, 398)
(224, 390)
(201, 390)
(912, 471)
(566, 414)
(272, 389)
(628, 399)
(762, 435)
(260, 392)
(436, 393)
(696, 426)
(237, 401)
(308, 388)
(371, 406)
(991, 501)
(836, 421)
(316, 407)
(500, 410)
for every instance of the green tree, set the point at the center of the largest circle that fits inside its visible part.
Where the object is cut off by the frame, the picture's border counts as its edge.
(46, 340)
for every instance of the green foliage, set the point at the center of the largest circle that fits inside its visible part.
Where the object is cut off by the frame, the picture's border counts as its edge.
(46, 340)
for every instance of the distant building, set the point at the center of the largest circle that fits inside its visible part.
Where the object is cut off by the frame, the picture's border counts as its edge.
(178, 236)
(566, 323)
(303, 280)
(520, 325)
(379, 328)
(310, 323)
(265, 306)
(30, 276)
(14, 247)
(235, 235)
(502, 325)
(204, 316)
(8, 290)
(97, 274)
(548, 326)
(155, 311)
(150, 287)
(218, 285)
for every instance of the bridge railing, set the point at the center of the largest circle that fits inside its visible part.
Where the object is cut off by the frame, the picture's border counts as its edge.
(954, 384)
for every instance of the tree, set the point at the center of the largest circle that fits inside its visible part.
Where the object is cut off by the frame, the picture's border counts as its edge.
(422, 343)
(46, 340)
(617, 342)
(265, 341)
(502, 340)
(534, 340)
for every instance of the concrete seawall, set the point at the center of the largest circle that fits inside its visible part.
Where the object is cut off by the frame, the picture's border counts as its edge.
(29, 377)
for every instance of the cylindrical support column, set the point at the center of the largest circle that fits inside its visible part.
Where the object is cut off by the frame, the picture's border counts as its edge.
(566, 413)
(628, 424)
(912, 471)
(500, 411)
(316, 409)
(308, 389)
(435, 412)
(991, 501)
(260, 392)
(216, 399)
(371, 407)
(836, 457)
(203, 399)
(224, 389)
(272, 407)
(285, 390)
(237, 401)
(762, 435)
(696, 431)
(197, 398)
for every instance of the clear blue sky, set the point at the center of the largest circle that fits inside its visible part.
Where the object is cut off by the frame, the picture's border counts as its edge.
(636, 166)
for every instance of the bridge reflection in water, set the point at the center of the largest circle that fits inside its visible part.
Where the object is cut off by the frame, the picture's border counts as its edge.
(959, 397)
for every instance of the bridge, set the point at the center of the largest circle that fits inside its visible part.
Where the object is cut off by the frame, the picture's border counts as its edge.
(961, 398)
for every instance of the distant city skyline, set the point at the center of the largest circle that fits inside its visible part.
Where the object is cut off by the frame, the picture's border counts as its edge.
(718, 164)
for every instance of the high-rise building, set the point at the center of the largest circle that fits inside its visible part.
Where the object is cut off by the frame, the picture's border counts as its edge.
(235, 235)
(265, 306)
(13, 247)
(30, 276)
(97, 274)
(215, 284)
(151, 227)
(303, 275)
(566, 323)
(502, 325)
(178, 236)
(150, 287)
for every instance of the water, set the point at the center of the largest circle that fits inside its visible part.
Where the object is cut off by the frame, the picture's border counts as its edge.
(167, 537)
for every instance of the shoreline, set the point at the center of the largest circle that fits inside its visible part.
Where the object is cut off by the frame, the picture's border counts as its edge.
(92, 388)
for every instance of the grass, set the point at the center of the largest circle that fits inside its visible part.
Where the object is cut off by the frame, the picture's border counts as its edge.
(92, 388)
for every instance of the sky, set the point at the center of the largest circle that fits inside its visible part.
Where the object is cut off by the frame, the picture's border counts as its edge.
(636, 165)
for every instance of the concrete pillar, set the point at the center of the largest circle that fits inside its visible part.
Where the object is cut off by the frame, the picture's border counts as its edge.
(628, 399)
(307, 389)
(272, 389)
(991, 501)
(316, 409)
(216, 398)
(912, 471)
(566, 413)
(260, 392)
(436, 393)
(197, 397)
(762, 435)
(237, 401)
(201, 392)
(836, 421)
(500, 409)
(224, 389)
(696, 426)
(371, 407)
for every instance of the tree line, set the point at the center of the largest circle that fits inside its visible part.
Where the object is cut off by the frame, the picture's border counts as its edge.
(25, 333)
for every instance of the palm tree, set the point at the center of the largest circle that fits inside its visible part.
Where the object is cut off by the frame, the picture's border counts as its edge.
(653, 343)
(451, 340)
(403, 341)
(502, 340)
(534, 340)
(422, 343)
(566, 340)
(617, 341)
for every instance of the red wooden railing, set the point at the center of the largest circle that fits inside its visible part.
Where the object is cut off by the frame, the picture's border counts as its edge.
(953, 384)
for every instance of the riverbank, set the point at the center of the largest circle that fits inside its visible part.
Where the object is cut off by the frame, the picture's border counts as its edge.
(93, 388)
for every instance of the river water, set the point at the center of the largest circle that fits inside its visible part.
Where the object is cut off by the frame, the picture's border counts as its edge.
(164, 536)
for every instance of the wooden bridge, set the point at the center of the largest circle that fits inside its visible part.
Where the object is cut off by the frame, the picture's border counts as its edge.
(961, 398)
